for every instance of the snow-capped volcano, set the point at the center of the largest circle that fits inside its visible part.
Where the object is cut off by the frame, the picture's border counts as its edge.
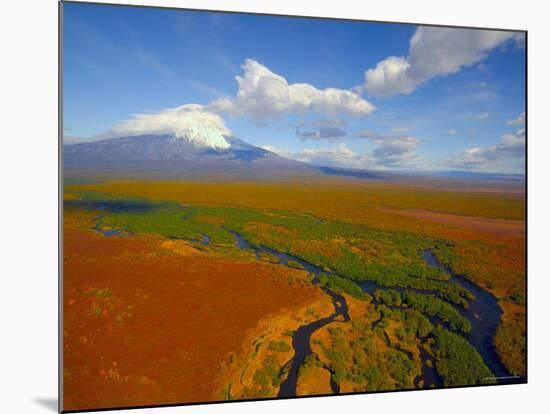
(187, 141)
(193, 153)
(192, 123)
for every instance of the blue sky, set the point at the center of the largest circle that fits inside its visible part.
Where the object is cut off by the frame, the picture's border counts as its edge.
(348, 94)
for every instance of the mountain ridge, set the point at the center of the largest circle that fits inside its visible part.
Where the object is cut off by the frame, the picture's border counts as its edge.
(169, 156)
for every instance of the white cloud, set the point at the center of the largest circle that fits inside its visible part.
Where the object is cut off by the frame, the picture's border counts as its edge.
(471, 158)
(263, 94)
(513, 144)
(396, 152)
(194, 122)
(391, 153)
(336, 156)
(520, 120)
(433, 52)
(511, 148)
(452, 131)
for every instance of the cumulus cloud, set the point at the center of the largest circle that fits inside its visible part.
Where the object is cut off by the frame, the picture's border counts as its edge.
(396, 152)
(192, 121)
(513, 144)
(511, 147)
(337, 156)
(520, 120)
(263, 94)
(391, 153)
(433, 52)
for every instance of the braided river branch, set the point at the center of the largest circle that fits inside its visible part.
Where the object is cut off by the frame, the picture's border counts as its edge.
(483, 313)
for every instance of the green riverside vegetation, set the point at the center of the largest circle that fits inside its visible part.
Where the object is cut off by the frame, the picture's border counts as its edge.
(341, 285)
(428, 304)
(457, 362)
(350, 254)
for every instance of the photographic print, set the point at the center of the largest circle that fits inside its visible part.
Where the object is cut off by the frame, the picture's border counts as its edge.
(261, 206)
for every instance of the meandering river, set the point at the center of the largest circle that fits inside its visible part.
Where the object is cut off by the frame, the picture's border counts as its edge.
(483, 313)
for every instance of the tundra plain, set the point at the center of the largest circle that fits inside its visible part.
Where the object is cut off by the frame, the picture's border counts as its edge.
(193, 291)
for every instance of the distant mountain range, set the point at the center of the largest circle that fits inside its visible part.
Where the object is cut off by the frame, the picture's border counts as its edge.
(200, 155)
(468, 175)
